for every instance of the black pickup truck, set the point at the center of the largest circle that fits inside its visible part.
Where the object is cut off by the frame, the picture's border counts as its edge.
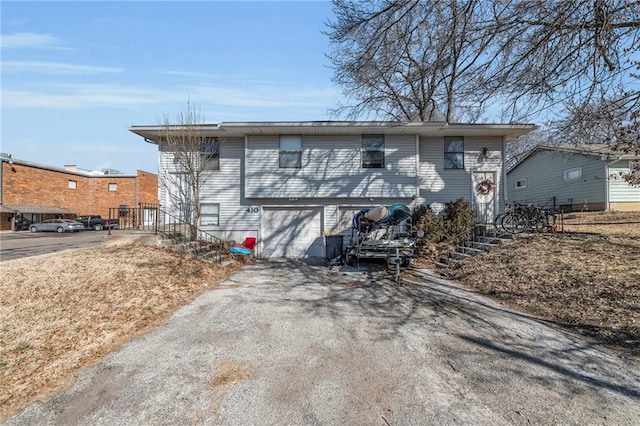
(92, 221)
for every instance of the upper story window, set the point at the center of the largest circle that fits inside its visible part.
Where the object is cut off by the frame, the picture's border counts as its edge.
(372, 151)
(454, 152)
(73, 184)
(290, 152)
(210, 153)
(573, 174)
(113, 187)
(521, 184)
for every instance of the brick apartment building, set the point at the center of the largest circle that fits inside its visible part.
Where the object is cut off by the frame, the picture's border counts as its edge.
(37, 192)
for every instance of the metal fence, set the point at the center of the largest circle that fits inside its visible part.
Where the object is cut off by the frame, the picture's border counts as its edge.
(151, 218)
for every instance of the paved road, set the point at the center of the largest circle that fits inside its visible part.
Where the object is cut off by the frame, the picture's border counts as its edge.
(15, 245)
(289, 344)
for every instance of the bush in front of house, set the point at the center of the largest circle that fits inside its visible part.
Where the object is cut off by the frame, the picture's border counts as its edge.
(453, 226)
(459, 221)
(426, 220)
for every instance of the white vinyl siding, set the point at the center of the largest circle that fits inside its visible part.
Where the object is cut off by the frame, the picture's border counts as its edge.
(331, 167)
(239, 218)
(169, 185)
(439, 185)
(619, 189)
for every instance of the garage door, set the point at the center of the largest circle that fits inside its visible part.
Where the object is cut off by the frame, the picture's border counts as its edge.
(292, 233)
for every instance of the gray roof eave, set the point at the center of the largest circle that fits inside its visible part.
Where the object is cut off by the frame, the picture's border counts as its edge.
(153, 134)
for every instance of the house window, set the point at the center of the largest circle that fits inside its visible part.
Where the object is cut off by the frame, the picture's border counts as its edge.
(372, 151)
(454, 152)
(521, 184)
(113, 187)
(210, 153)
(573, 174)
(73, 184)
(209, 213)
(290, 152)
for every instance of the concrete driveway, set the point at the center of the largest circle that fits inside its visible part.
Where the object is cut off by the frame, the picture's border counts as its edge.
(287, 343)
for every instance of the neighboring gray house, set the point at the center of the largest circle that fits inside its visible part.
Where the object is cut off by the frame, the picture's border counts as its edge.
(584, 177)
(290, 183)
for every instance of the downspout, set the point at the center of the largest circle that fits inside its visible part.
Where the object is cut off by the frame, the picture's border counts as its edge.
(417, 166)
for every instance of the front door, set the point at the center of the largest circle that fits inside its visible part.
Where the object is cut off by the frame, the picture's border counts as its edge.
(484, 196)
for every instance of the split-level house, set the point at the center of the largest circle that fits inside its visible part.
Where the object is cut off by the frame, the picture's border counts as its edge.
(575, 177)
(289, 183)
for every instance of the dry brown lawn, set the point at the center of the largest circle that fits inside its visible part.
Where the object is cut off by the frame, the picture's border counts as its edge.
(586, 279)
(60, 313)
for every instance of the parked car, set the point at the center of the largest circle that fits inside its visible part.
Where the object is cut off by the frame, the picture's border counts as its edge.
(57, 225)
(96, 222)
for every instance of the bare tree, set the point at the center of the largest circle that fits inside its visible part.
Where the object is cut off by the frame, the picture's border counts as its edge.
(425, 60)
(409, 60)
(612, 118)
(516, 150)
(190, 156)
(549, 53)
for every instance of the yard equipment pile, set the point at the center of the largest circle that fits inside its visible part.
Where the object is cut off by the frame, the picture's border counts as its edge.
(382, 233)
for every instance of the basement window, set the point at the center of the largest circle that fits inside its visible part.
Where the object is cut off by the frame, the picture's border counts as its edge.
(209, 214)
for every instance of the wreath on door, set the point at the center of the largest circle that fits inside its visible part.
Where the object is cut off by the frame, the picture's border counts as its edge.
(485, 186)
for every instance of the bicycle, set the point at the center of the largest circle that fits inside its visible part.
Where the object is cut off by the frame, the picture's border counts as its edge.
(511, 221)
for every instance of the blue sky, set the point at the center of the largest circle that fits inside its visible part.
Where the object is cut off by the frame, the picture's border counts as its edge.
(76, 75)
